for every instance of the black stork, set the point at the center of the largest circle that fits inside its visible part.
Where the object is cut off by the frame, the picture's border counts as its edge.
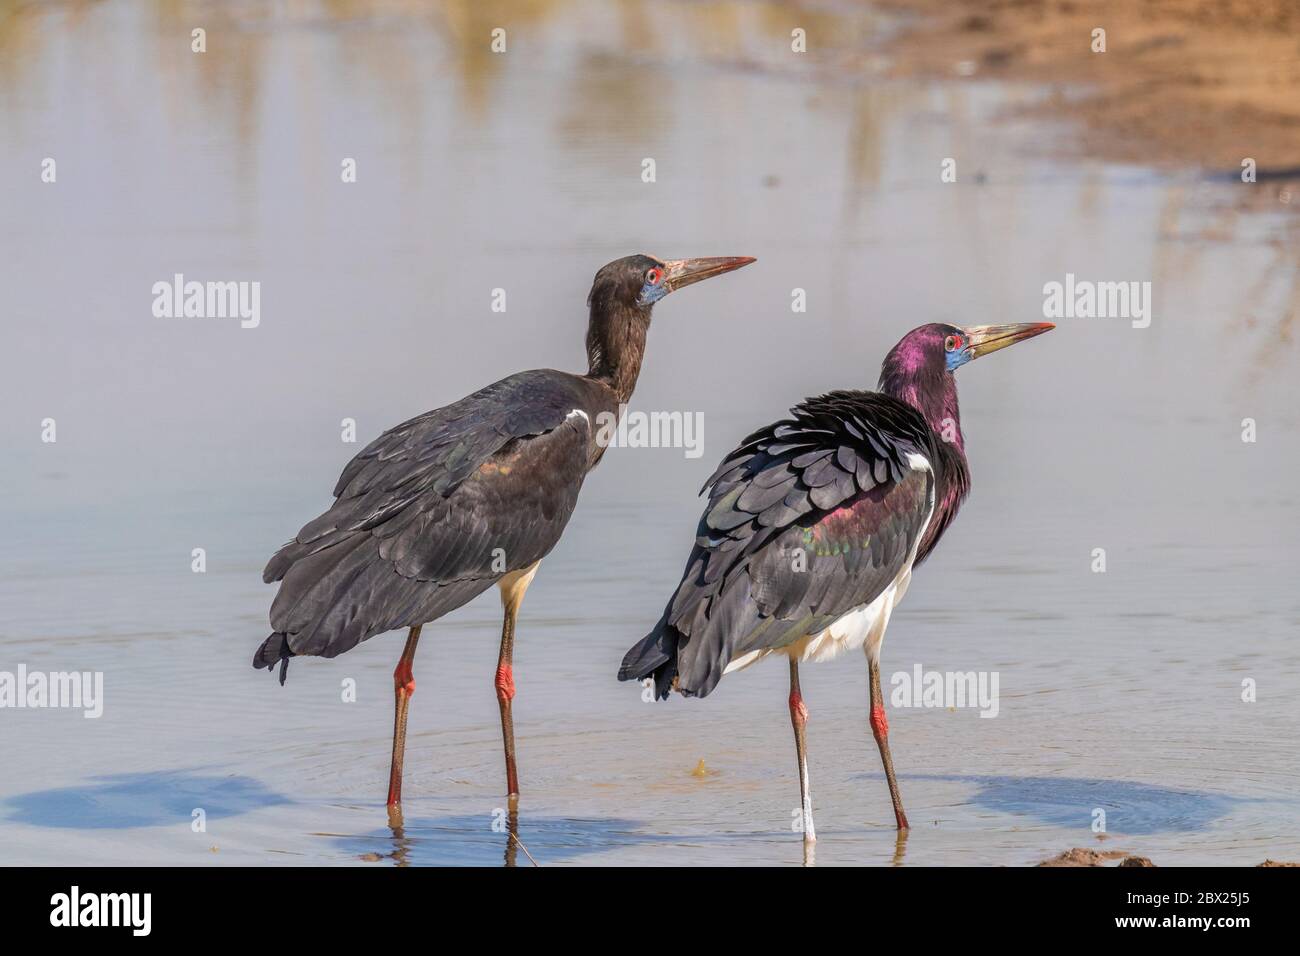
(444, 506)
(813, 527)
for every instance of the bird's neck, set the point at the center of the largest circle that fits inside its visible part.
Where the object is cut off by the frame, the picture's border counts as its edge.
(615, 347)
(934, 395)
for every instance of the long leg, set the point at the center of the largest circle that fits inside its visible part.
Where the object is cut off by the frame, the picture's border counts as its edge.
(880, 727)
(512, 587)
(403, 688)
(799, 719)
(505, 684)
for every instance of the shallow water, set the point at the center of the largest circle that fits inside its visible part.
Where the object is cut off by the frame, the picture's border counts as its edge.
(1119, 691)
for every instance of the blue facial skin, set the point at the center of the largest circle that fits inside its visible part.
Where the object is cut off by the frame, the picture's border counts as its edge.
(957, 358)
(652, 293)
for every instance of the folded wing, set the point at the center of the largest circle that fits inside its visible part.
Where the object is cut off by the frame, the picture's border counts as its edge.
(808, 519)
(432, 513)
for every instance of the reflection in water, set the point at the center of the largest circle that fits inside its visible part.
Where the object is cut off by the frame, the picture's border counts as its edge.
(1199, 216)
(513, 843)
(475, 841)
(468, 25)
(401, 852)
(402, 844)
(626, 73)
(900, 847)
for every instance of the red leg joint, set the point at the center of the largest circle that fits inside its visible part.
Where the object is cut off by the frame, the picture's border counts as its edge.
(879, 725)
(404, 678)
(798, 710)
(505, 683)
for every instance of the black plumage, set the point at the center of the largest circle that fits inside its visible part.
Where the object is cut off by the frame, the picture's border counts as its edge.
(831, 485)
(435, 511)
(442, 507)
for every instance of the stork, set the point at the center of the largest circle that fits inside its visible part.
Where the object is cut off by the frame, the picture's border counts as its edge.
(474, 494)
(813, 527)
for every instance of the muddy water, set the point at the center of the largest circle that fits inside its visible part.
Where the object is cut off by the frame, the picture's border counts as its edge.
(1119, 691)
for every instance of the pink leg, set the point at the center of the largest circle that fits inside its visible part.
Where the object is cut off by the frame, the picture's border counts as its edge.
(880, 728)
(799, 720)
(505, 685)
(403, 689)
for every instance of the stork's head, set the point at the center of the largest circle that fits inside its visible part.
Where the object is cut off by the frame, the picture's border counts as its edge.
(934, 349)
(638, 282)
(919, 369)
(621, 299)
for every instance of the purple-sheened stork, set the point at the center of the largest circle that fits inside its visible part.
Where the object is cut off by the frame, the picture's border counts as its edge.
(434, 512)
(813, 527)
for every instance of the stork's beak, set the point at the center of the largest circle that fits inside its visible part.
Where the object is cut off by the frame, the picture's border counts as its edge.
(679, 273)
(983, 339)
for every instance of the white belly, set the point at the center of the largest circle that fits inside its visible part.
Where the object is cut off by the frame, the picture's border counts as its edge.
(864, 626)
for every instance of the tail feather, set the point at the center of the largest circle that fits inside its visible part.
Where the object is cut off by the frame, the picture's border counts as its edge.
(655, 655)
(274, 650)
